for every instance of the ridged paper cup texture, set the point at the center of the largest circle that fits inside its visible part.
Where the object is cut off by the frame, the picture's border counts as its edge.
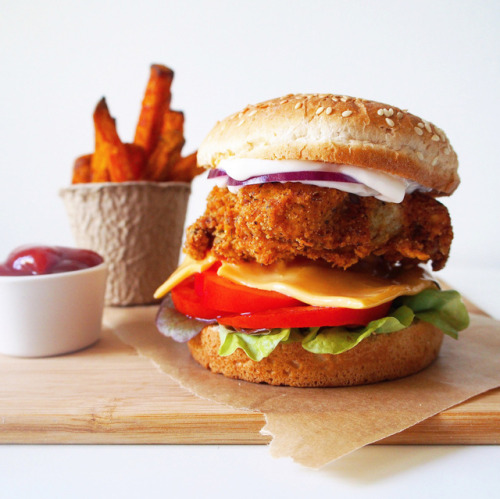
(136, 227)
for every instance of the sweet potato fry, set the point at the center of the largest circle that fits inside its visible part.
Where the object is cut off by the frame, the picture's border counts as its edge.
(99, 163)
(155, 153)
(110, 160)
(168, 149)
(185, 169)
(82, 172)
(137, 159)
(172, 120)
(156, 101)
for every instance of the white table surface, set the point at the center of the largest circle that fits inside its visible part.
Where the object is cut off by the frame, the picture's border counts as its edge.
(171, 471)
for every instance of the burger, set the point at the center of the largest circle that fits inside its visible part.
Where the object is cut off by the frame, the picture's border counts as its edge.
(311, 265)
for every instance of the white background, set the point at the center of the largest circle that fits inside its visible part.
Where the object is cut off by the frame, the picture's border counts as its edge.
(439, 59)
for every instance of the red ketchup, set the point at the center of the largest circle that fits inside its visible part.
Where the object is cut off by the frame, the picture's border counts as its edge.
(40, 260)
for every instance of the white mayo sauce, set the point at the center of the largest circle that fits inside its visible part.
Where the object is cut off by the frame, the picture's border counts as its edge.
(382, 186)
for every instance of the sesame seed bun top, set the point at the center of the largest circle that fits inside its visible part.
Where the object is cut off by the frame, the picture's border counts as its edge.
(337, 129)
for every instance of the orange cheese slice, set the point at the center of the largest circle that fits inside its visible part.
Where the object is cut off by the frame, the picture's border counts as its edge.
(324, 286)
(187, 268)
(313, 283)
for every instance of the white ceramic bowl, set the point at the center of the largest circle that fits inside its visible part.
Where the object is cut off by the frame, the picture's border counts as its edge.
(44, 315)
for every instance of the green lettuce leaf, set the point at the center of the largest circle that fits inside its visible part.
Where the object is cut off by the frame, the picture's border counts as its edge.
(175, 325)
(443, 309)
(336, 340)
(256, 346)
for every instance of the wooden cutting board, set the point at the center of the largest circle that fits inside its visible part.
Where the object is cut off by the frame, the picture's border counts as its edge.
(107, 394)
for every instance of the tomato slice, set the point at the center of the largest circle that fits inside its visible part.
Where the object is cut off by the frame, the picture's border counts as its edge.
(187, 302)
(208, 296)
(219, 293)
(306, 316)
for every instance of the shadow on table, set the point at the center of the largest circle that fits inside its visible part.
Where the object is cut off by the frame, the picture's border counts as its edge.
(378, 462)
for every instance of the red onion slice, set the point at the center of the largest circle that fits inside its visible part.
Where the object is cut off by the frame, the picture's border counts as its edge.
(285, 177)
(215, 172)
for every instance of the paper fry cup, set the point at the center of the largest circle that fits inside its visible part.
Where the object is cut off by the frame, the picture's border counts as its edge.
(136, 227)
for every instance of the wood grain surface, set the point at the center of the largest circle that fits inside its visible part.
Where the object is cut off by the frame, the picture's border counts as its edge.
(108, 394)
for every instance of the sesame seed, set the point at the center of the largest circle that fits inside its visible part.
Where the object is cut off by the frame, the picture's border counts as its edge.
(400, 115)
(345, 114)
(440, 133)
(389, 121)
(240, 123)
(435, 138)
(420, 156)
(428, 127)
(284, 101)
(334, 99)
(320, 110)
(421, 125)
(418, 131)
(380, 112)
(390, 112)
(251, 113)
(329, 110)
(343, 98)
(435, 161)
(447, 151)
(298, 105)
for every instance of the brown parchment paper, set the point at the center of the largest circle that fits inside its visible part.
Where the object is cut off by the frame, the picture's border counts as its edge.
(315, 426)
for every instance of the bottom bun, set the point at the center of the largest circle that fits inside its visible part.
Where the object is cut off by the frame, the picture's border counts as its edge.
(378, 358)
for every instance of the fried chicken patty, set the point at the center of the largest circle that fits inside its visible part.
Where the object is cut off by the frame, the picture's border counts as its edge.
(274, 222)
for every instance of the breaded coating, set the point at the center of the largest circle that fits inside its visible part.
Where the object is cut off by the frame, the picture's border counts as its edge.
(274, 222)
